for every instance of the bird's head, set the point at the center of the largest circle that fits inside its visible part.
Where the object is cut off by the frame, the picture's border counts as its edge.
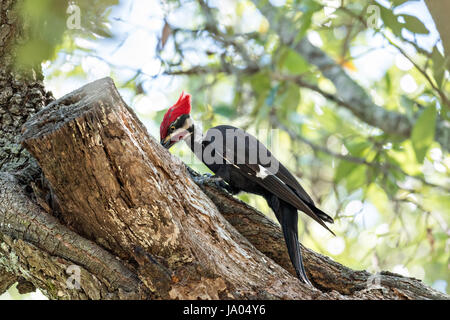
(176, 124)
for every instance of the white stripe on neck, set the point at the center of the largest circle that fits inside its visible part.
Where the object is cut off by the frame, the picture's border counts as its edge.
(198, 134)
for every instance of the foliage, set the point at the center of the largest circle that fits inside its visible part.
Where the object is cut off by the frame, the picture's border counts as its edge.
(46, 21)
(389, 193)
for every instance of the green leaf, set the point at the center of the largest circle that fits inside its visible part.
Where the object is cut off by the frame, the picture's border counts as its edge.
(404, 156)
(305, 24)
(391, 20)
(357, 147)
(438, 66)
(294, 63)
(357, 178)
(289, 99)
(225, 111)
(414, 25)
(437, 200)
(390, 185)
(397, 3)
(309, 6)
(378, 197)
(388, 82)
(343, 169)
(423, 132)
(260, 83)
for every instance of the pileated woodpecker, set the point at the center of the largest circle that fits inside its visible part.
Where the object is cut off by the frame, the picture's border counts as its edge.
(245, 164)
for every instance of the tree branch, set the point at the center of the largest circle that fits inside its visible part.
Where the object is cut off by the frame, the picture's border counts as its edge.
(348, 91)
(34, 239)
(383, 166)
(326, 274)
(423, 71)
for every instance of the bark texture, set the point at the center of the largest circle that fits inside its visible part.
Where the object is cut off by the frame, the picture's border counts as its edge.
(21, 94)
(30, 244)
(36, 247)
(130, 216)
(7, 279)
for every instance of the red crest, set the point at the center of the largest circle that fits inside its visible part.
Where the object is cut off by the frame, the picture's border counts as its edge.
(182, 106)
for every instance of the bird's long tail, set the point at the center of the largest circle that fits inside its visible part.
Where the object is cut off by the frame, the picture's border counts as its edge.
(322, 215)
(288, 220)
(287, 216)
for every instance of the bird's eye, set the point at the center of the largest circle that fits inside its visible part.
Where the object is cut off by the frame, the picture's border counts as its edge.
(172, 128)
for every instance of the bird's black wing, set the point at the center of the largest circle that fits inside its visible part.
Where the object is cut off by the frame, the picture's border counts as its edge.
(272, 176)
(292, 182)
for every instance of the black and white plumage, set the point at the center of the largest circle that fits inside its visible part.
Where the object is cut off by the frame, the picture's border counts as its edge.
(245, 164)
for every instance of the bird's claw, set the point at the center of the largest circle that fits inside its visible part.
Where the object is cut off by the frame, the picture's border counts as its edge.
(205, 178)
(192, 172)
(210, 178)
(221, 184)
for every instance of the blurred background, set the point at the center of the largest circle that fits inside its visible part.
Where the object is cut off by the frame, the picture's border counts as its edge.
(327, 77)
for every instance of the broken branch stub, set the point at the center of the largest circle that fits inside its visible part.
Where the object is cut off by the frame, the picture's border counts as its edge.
(118, 187)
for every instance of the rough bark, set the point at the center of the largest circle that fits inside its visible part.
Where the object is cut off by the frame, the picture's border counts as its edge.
(116, 186)
(7, 279)
(21, 94)
(35, 246)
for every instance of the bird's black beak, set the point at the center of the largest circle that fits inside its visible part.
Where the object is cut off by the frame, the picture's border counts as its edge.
(167, 144)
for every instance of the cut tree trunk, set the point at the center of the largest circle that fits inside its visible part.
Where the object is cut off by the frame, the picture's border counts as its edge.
(129, 214)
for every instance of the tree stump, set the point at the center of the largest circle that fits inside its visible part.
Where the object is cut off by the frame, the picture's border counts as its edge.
(118, 187)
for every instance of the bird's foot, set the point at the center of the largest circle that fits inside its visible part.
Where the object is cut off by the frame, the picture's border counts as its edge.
(214, 179)
(194, 174)
(206, 178)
